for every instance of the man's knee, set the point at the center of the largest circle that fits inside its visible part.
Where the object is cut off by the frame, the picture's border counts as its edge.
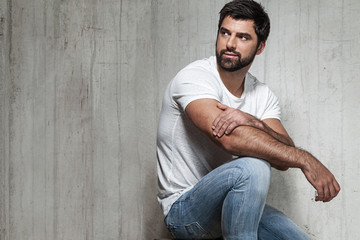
(253, 172)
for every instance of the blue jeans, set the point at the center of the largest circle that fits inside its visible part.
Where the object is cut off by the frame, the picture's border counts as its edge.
(229, 202)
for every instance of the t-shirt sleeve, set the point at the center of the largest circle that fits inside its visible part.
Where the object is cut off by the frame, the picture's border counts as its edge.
(193, 84)
(272, 107)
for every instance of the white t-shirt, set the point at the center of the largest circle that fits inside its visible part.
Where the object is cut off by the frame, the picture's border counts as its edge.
(185, 154)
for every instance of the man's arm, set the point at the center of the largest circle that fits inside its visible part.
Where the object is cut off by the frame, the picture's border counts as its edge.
(251, 141)
(230, 118)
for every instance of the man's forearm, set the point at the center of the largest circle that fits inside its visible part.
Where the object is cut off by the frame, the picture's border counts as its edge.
(261, 125)
(249, 141)
(257, 142)
(231, 118)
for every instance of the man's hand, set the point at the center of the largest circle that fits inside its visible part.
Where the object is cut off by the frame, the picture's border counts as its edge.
(321, 178)
(229, 119)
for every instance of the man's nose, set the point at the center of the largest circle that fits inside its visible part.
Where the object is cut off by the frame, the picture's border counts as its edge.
(231, 43)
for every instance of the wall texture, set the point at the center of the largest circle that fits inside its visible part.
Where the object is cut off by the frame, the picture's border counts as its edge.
(81, 83)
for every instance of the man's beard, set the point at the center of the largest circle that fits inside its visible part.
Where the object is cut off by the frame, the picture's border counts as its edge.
(232, 65)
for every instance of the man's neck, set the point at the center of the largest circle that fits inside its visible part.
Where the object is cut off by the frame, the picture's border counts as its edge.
(234, 81)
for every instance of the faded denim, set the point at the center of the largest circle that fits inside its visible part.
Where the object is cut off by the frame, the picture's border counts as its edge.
(229, 202)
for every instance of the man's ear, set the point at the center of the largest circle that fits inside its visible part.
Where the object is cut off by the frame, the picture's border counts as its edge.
(261, 47)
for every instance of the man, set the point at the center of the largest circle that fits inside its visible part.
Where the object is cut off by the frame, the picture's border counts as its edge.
(219, 134)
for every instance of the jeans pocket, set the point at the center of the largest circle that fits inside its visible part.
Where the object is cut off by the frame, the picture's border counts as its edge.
(189, 231)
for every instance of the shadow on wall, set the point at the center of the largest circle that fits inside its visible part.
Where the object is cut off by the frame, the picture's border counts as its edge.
(154, 218)
(281, 189)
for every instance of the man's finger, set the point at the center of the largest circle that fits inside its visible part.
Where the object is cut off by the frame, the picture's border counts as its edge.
(230, 128)
(222, 129)
(222, 106)
(335, 188)
(218, 123)
(327, 196)
(220, 117)
(320, 195)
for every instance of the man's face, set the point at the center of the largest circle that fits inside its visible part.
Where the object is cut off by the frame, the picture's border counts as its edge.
(237, 44)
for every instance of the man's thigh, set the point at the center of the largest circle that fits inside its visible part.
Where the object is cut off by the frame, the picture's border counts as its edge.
(197, 213)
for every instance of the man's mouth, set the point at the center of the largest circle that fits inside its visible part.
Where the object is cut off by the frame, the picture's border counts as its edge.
(228, 54)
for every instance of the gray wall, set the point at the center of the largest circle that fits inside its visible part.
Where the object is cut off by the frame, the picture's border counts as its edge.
(81, 87)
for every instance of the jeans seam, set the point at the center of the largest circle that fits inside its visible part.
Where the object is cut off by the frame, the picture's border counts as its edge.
(171, 227)
(244, 194)
(269, 229)
(241, 176)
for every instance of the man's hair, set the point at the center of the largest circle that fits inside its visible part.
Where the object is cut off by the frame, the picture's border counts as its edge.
(248, 10)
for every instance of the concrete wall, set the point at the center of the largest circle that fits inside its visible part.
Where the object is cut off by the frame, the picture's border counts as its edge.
(81, 87)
